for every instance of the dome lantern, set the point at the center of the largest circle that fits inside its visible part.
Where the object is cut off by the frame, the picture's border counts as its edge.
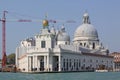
(63, 28)
(86, 19)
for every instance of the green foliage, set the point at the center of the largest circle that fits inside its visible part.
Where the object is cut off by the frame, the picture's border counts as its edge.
(11, 58)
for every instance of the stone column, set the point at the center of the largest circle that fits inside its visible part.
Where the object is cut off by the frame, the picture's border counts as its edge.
(38, 61)
(33, 61)
(48, 62)
(29, 63)
(59, 62)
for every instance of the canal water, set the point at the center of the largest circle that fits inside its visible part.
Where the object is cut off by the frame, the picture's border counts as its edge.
(62, 76)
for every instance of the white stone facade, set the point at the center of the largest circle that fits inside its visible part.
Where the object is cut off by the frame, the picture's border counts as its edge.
(52, 51)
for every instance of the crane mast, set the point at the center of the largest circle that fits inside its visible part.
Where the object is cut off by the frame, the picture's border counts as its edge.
(4, 59)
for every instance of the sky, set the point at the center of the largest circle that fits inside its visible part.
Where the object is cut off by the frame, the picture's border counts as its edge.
(104, 15)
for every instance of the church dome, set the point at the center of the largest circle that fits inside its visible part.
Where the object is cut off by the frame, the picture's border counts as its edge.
(86, 31)
(62, 35)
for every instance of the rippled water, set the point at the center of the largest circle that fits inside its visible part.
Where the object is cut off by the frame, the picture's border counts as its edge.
(62, 76)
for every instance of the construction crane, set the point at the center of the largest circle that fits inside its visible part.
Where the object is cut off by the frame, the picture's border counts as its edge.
(4, 59)
(3, 20)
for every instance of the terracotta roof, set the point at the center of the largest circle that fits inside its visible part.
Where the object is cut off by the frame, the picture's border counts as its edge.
(116, 56)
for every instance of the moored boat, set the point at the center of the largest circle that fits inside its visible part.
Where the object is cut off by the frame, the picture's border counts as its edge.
(101, 70)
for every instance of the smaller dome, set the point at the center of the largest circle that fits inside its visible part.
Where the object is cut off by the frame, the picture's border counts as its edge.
(45, 23)
(63, 37)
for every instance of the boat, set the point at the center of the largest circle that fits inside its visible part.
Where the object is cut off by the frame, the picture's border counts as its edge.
(101, 70)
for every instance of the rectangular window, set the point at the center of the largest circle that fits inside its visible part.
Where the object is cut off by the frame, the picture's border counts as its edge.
(79, 63)
(43, 44)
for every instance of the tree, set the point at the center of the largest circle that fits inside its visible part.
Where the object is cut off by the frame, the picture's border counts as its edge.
(11, 58)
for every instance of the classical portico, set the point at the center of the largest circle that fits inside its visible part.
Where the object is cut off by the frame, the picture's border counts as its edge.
(44, 63)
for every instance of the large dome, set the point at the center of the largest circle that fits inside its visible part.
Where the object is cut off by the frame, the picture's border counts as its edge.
(86, 31)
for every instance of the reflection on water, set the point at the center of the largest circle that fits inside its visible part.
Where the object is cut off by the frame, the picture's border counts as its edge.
(61, 76)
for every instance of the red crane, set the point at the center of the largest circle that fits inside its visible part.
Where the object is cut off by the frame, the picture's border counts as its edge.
(4, 59)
